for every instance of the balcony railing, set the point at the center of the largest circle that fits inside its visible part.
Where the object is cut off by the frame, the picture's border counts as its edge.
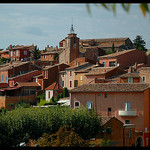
(127, 112)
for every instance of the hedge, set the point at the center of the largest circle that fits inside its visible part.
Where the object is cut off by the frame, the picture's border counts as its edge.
(22, 124)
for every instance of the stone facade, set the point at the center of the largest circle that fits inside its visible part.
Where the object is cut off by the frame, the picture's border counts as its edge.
(71, 51)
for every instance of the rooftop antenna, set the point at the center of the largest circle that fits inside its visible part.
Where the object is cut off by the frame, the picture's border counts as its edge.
(72, 30)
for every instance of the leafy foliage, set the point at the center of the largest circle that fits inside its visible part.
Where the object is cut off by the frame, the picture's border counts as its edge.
(139, 43)
(23, 104)
(36, 53)
(65, 137)
(30, 123)
(144, 7)
(65, 92)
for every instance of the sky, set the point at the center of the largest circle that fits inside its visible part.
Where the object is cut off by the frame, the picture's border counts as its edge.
(48, 23)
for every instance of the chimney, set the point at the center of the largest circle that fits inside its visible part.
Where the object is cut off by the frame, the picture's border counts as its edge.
(130, 70)
(135, 66)
(10, 46)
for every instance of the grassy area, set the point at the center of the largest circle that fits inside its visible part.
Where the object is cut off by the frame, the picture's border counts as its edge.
(42, 102)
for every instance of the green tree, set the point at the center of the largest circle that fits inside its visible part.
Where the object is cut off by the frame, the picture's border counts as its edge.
(52, 99)
(113, 48)
(36, 53)
(57, 97)
(61, 95)
(65, 92)
(139, 43)
(65, 137)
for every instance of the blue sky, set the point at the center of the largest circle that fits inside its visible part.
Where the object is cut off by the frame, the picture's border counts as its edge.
(48, 23)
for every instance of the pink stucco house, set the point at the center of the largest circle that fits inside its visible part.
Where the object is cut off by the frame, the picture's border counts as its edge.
(127, 102)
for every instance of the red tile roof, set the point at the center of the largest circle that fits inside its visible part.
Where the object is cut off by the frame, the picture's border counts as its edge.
(117, 54)
(112, 87)
(31, 84)
(105, 39)
(54, 86)
(131, 75)
(100, 70)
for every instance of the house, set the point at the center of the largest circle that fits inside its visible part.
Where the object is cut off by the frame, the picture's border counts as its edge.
(67, 77)
(106, 44)
(50, 56)
(21, 91)
(28, 87)
(53, 90)
(102, 73)
(13, 69)
(26, 77)
(21, 52)
(128, 102)
(140, 75)
(50, 74)
(5, 54)
(117, 132)
(124, 58)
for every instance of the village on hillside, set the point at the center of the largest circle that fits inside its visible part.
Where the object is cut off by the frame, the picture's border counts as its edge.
(108, 75)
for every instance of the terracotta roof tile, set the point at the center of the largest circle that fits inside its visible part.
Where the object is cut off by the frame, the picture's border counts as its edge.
(100, 70)
(112, 87)
(54, 86)
(21, 84)
(117, 54)
(131, 75)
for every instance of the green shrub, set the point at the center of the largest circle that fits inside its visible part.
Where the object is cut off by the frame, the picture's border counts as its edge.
(23, 104)
(30, 123)
(65, 137)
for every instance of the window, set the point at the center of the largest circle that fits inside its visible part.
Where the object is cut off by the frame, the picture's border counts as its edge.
(49, 94)
(25, 52)
(106, 95)
(127, 106)
(25, 59)
(74, 41)
(143, 79)
(70, 83)
(127, 122)
(130, 134)
(130, 80)
(89, 105)
(81, 78)
(99, 94)
(6, 80)
(17, 52)
(11, 53)
(44, 56)
(63, 75)
(70, 73)
(109, 109)
(76, 104)
(104, 63)
(62, 83)
(2, 78)
(45, 74)
(111, 63)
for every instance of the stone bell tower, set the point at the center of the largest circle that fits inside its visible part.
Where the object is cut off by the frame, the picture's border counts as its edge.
(71, 51)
